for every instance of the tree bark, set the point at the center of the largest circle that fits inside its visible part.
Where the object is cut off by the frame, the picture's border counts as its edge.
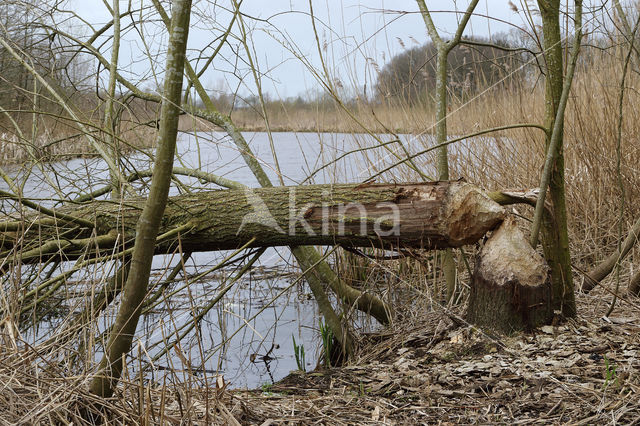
(555, 236)
(604, 268)
(511, 286)
(442, 162)
(148, 220)
(431, 215)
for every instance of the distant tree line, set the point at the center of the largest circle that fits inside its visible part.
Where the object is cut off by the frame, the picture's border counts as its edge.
(473, 66)
(24, 25)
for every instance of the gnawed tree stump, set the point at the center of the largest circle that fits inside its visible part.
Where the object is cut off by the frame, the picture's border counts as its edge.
(511, 285)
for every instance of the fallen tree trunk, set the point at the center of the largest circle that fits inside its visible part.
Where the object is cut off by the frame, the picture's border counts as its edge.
(604, 268)
(634, 284)
(425, 215)
(511, 285)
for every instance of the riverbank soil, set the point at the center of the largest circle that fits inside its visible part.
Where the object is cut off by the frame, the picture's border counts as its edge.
(441, 371)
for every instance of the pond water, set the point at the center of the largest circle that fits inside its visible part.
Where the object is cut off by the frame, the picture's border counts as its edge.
(247, 321)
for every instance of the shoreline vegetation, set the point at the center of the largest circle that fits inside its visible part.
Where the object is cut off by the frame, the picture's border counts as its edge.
(65, 142)
(590, 152)
(429, 368)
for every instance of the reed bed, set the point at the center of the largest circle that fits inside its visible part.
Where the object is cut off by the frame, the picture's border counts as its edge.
(57, 145)
(512, 159)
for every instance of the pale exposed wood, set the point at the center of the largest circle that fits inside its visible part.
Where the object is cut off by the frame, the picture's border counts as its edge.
(511, 286)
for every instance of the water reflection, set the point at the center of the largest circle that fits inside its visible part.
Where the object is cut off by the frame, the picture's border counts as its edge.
(266, 325)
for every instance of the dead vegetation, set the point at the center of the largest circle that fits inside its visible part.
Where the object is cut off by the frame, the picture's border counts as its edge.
(431, 369)
(442, 371)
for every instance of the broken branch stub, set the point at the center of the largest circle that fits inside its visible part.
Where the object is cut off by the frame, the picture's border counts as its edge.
(511, 284)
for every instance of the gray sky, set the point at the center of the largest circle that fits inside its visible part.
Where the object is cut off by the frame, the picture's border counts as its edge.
(357, 37)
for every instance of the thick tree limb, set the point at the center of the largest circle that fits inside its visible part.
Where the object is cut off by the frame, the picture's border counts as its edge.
(604, 268)
(420, 215)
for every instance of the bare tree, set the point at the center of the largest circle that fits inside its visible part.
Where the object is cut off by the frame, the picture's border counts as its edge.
(443, 48)
(554, 226)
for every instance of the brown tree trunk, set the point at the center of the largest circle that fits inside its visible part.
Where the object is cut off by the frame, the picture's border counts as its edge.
(511, 286)
(634, 284)
(425, 215)
(150, 213)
